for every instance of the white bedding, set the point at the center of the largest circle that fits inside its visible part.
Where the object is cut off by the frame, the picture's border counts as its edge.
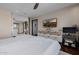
(29, 45)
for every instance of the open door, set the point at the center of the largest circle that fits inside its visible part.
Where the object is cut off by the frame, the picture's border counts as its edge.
(35, 27)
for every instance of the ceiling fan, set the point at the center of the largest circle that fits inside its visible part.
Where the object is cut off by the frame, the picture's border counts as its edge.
(36, 6)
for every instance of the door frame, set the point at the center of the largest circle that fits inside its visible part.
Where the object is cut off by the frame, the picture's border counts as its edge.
(37, 26)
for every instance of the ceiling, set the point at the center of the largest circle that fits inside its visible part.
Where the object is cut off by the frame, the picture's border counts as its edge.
(26, 9)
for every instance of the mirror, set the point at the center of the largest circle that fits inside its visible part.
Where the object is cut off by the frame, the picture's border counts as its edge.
(50, 22)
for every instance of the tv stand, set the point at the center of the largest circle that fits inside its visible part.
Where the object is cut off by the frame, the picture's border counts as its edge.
(70, 39)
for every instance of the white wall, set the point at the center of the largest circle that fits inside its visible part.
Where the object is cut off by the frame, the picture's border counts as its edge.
(65, 17)
(5, 24)
(31, 24)
(20, 30)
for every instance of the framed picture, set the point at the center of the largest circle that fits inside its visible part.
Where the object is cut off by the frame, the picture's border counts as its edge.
(50, 22)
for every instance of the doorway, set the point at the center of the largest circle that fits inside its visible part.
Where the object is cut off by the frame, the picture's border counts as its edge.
(35, 27)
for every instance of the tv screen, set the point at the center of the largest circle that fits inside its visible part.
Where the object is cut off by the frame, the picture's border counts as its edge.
(69, 29)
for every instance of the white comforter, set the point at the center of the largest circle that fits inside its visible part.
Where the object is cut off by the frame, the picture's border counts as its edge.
(29, 45)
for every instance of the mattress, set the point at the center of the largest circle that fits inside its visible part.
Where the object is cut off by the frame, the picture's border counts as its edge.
(29, 45)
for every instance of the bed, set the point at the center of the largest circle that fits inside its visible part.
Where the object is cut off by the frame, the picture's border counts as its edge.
(29, 45)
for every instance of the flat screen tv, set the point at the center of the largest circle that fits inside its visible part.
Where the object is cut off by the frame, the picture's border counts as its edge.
(69, 29)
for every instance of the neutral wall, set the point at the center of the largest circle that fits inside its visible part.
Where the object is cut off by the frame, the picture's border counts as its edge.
(5, 24)
(20, 30)
(31, 24)
(65, 17)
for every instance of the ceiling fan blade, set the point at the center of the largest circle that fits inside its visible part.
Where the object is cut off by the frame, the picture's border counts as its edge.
(36, 6)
